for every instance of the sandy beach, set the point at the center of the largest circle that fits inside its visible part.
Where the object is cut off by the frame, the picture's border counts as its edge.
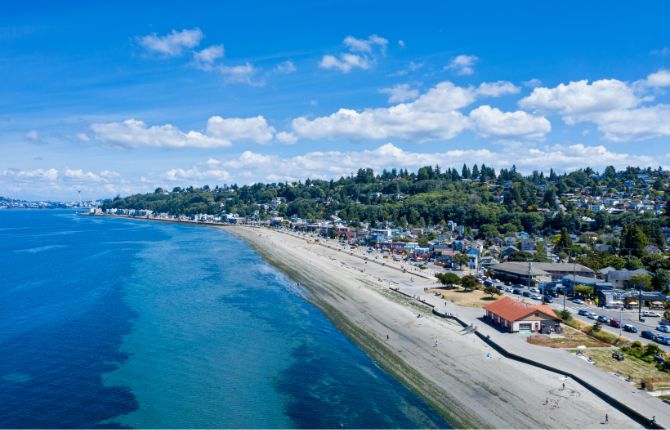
(457, 373)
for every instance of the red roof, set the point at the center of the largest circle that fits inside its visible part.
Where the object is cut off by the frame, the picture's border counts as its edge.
(513, 310)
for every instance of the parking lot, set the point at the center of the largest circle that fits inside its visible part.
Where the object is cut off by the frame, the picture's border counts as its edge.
(624, 316)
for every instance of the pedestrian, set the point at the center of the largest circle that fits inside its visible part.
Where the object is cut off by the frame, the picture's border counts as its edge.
(387, 337)
(606, 418)
(563, 387)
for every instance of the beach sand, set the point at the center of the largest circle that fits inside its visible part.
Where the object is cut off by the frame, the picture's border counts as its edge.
(459, 375)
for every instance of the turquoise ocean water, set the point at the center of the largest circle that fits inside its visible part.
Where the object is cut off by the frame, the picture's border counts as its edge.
(120, 323)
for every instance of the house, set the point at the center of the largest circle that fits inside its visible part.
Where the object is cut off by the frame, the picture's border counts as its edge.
(473, 258)
(488, 261)
(508, 251)
(528, 245)
(515, 316)
(620, 278)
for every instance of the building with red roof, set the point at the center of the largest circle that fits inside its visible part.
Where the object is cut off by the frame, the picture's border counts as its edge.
(515, 316)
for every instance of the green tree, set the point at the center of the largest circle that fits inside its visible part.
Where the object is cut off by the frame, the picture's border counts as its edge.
(492, 291)
(448, 279)
(564, 240)
(660, 279)
(460, 259)
(633, 239)
(638, 281)
(584, 290)
(469, 282)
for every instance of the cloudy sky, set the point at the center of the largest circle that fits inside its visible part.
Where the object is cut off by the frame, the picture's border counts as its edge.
(123, 97)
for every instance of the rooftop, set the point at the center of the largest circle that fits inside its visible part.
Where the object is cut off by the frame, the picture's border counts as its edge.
(513, 310)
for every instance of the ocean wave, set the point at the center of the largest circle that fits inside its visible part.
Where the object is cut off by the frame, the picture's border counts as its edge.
(37, 249)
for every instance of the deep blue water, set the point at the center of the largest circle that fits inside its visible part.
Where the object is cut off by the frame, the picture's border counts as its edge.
(119, 323)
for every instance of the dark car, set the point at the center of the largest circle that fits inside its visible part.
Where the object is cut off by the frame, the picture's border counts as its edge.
(516, 291)
(603, 319)
(526, 294)
(583, 312)
(615, 323)
(547, 299)
(647, 334)
(630, 328)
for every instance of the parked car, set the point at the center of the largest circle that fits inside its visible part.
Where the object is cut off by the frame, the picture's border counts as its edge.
(499, 287)
(603, 319)
(630, 328)
(592, 316)
(526, 294)
(664, 340)
(663, 328)
(650, 314)
(615, 323)
(536, 297)
(583, 312)
(516, 291)
(647, 334)
(548, 299)
(508, 290)
(578, 301)
(534, 290)
(488, 283)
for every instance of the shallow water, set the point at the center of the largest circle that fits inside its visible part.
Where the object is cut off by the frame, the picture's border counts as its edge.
(108, 322)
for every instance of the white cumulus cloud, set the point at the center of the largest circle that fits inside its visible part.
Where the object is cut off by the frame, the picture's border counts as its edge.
(255, 129)
(206, 58)
(400, 93)
(463, 64)
(172, 44)
(581, 98)
(434, 115)
(620, 110)
(285, 67)
(360, 54)
(131, 133)
(488, 121)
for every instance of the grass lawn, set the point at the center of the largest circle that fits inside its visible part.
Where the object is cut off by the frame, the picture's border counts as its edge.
(460, 297)
(631, 366)
(570, 338)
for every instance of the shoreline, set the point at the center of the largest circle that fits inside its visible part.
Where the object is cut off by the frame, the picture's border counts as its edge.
(378, 350)
(453, 379)
(364, 311)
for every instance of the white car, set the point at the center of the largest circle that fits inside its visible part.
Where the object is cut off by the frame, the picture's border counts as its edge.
(650, 314)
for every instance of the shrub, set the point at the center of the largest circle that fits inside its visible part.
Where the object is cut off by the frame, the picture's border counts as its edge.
(565, 315)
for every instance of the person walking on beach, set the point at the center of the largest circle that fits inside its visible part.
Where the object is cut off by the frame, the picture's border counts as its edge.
(606, 418)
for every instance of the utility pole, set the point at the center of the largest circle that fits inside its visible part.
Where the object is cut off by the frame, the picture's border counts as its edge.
(639, 304)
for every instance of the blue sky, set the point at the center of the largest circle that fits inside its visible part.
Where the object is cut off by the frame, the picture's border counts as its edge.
(118, 97)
